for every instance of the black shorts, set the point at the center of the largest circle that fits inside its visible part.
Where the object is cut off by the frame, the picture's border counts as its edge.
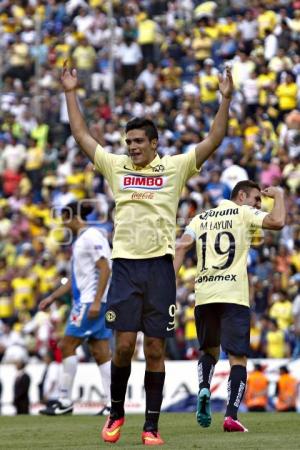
(142, 296)
(225, 324)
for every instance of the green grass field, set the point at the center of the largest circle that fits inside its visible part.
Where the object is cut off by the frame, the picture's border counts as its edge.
(181, 432)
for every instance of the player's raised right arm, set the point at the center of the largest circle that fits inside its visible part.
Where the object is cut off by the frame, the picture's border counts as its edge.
(275, 220)
(78, 126)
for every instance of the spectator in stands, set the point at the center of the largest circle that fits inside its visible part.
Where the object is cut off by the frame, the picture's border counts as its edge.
(296, 320)
(147, 33)
(84, 57)
(281, 310)
(216, 190)
(275, 341)
(130, 56)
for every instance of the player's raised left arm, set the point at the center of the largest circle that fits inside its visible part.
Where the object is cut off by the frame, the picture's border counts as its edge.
(219, 126)
(182, 246)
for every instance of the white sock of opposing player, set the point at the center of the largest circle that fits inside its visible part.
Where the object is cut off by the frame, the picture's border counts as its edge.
(67, 378)
(105, 376)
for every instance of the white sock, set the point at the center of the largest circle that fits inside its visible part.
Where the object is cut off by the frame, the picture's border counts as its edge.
(105, 376)
(67, 378)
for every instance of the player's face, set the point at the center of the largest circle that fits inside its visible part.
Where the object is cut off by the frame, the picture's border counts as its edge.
(140, 149)
(253, 199)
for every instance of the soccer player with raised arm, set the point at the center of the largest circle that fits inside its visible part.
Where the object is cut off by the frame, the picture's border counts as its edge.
(146, 190)
(223, 236)
(91, 268)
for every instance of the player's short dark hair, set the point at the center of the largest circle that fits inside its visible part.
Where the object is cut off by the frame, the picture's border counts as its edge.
(77, 209)
(246, 186)
(143, 124)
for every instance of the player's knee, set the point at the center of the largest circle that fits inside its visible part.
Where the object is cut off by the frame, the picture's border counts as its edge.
(154, 350)
(235, 360)
(214, 352)
(100, 357)
(100, 351)
(67, 347)
(97, 355)
(124, 352)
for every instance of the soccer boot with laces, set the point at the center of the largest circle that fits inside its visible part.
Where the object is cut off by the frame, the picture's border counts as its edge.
(111, 431)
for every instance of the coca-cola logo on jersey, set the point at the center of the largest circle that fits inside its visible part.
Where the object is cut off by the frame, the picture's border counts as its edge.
(142, 195)
(143, 182)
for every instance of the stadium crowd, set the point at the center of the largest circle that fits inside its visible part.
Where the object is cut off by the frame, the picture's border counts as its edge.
(166, 60)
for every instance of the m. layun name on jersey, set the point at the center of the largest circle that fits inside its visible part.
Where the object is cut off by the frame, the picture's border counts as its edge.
(143, 182)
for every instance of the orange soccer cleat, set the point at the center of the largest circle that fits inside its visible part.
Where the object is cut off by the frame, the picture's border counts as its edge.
(111, 431)
(151, 438)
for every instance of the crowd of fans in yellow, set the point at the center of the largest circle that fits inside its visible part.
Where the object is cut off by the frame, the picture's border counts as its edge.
(166, 60)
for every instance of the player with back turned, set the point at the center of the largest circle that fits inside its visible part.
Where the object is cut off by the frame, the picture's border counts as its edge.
(223, 236)
(142, 296)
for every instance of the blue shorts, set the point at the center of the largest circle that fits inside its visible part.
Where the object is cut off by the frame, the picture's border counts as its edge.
(142, 296)
(80, 326)
(225, 324)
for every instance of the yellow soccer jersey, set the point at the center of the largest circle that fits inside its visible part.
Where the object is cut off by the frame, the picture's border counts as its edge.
(223, 237)
(209, 88)
(146, 201)
(23, 293)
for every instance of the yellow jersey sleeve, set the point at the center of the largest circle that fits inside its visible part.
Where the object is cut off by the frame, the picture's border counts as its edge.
(185, 167)
(105, 162)
(253, 217)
